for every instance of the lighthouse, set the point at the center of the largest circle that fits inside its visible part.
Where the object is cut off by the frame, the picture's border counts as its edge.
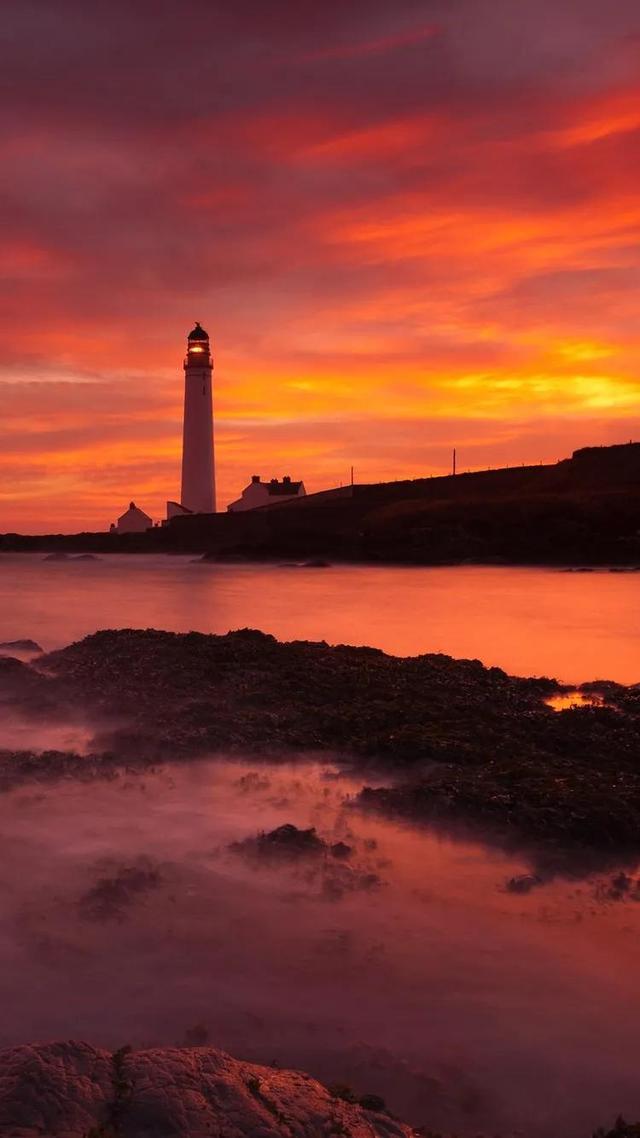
(198, 474)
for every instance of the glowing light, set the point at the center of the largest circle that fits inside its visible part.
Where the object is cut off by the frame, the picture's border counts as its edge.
(196, 348)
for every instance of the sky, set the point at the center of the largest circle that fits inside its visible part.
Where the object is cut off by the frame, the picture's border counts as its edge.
(406, 226)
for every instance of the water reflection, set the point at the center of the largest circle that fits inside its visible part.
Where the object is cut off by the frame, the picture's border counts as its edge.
(565, 700)
(574, 626)
(126, 917)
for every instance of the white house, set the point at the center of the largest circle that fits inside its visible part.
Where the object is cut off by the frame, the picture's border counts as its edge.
(175, 509)
(259, 493)
(133, 521)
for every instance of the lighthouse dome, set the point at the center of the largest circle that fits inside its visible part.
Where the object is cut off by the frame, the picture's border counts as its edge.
(198, 333)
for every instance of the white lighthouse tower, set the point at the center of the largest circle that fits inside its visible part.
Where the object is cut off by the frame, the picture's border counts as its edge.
(198, 472)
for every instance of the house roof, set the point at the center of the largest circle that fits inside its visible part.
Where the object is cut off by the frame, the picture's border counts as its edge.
(133, 509)
(282, 487)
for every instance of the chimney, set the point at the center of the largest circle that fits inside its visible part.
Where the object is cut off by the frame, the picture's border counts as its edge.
(286, 479)
(255, 478)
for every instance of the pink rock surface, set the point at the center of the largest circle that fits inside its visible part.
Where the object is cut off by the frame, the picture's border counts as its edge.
(66, 1090)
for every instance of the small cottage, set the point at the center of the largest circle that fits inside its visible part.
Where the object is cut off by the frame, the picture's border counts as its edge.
(259, 493)
(134, 520)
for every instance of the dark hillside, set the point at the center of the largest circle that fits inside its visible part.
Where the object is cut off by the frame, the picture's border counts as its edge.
(584, 510)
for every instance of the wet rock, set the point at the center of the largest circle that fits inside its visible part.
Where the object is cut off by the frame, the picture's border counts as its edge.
(322, 869)
(373, 1102)
(286, 842)
(252, 783)
(619, 887)
(523, 883)
(621, 1129)
(71, 1090)
(337, 881)
(367, 1102)
(110, 897)
(20, 684)
(21, 646)
(460, 741)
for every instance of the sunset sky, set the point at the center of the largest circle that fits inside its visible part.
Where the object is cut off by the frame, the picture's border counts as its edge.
(406, 226)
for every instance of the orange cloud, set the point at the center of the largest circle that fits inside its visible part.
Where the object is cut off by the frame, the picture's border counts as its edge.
(392, 258)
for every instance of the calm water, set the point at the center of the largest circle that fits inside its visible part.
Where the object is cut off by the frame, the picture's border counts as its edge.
(463, 1004)
(576, 626)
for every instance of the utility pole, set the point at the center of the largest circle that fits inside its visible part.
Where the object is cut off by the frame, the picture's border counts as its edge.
(352, 476)
(454, 461)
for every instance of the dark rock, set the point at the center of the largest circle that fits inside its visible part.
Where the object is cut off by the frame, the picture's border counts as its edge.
(341, 850)
(468, 742)
(286, 842)
(21, 646)
(524, 883)
(340, 880)
(110, 897)
(72, 1090)
(621, 1129)
(373, 1102)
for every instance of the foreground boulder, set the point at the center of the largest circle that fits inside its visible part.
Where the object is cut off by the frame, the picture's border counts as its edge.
(73, 1090)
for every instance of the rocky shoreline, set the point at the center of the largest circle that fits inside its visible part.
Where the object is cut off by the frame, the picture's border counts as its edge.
(74, 1090)
(429, 739)
(434, 739)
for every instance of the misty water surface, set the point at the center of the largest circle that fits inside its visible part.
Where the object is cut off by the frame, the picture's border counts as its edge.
(408, 971)
(575, 626)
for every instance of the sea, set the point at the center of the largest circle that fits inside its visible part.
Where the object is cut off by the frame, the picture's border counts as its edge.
(415, 970)
(574, 626)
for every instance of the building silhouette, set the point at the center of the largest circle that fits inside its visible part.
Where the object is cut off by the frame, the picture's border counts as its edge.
(134, 520)
(259, 493)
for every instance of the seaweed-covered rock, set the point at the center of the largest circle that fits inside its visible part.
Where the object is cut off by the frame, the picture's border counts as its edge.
(523, 883)
(110, 897)
(286, 842)
(20, 646)
(325, 869)
(467, 741)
